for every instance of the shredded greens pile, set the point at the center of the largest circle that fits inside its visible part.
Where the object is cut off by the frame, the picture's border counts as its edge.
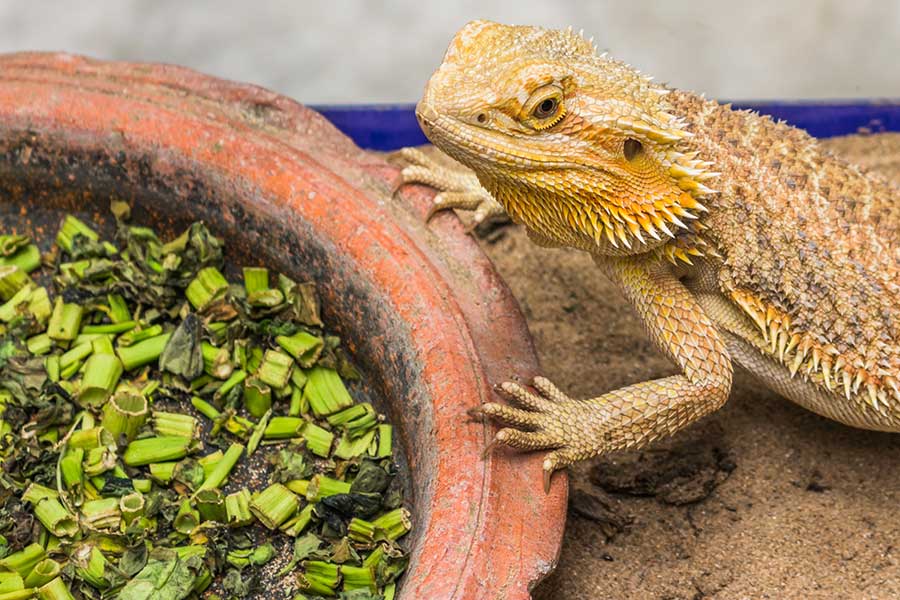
(135, 384)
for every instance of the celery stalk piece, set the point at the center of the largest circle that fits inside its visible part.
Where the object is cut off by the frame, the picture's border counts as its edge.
(298, 404)
(12, 279)
(385, 441)
(102, 513)
(39, 344)
(348, 448)
(295, 525)
(318, 440)
(209, 285)
(394, 524)
(237, 508)
(101, 375)
(304, 347)
(187, 518)
(298, 486)
(71, 228)
(205, 408)
(43, 572)
(71, 470)
(390, 590)
(326, 392)
(90, 566)
(257, 397)
(39, 304)
(360, 530)
(356, 578)
(156, 449)
(322, 486)
(319, 577)
(11, 582)
(256, 279)
(51, 365)
(65, 321)
(216, 361)
(95, 437)
(349, 414)
(258, 432)
(53, 515)
(211, 505)
(125, 413)
(55, 590)
(27, 258)
(175, 425)
(23, 561)
(282, 428)
(102, 344)
(132, 507)
(220, 472)
(163, 471)
(235, 379)
(120, 327)
(274, 505)
(12, 308)
(275, 369)
(209, 462)
(315, 586)
(118, 308)
(75, 355)
(134, 335)
(144, 352)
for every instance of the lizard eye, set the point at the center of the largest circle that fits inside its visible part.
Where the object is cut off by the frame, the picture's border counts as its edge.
(546, 109)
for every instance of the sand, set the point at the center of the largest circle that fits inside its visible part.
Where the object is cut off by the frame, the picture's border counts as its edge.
(761, 500)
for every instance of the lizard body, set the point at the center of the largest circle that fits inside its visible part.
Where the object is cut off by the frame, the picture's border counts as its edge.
(736, 238)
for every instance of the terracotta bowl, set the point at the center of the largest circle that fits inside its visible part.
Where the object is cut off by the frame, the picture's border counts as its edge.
(421, 308)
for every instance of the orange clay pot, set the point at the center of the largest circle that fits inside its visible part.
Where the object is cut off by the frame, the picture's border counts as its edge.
(421, 308)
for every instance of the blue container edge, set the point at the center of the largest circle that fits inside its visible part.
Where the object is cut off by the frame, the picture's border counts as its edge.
(386, 127)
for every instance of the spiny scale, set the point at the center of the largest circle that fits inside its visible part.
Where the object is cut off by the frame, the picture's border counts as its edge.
(824, 364)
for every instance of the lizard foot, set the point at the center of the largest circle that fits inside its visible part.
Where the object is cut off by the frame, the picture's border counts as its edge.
(458, 187)
(546, 420)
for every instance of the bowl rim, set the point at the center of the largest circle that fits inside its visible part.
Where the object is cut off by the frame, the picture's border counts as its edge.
(493, 534)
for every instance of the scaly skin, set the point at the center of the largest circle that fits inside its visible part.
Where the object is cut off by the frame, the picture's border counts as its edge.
(736, 238)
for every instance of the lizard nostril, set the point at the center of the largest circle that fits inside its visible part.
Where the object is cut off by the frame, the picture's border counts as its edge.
(482, 118)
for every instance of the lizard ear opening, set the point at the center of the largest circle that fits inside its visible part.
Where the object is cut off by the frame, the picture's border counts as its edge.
(632, 149)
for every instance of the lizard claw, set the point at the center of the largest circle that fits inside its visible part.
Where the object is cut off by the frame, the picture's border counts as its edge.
(545, 419)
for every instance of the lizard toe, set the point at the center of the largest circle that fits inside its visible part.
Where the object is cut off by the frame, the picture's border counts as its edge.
(508, 415)
(524, 440)
(525, 398)
(549, 390)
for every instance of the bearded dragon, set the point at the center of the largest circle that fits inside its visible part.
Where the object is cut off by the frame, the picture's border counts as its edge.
(736, 238)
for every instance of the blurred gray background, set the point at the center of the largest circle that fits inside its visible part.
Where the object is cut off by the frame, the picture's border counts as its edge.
(338, 51)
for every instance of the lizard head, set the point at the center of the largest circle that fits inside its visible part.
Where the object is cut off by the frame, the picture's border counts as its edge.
(576, 146)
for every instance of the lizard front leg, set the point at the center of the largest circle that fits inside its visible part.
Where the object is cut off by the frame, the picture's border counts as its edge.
(457, 186)
(635, 415)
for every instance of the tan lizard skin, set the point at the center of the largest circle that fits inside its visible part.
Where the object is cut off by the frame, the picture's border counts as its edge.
(736, 238)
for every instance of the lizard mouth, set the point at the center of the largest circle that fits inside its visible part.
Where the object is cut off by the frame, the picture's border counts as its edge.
(474, 146)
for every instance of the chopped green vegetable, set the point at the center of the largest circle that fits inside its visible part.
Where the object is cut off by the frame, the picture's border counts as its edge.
(219, 473)
(125, 508)
(274, 505)
(326, 392)
(125, 413)
(156, 449)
